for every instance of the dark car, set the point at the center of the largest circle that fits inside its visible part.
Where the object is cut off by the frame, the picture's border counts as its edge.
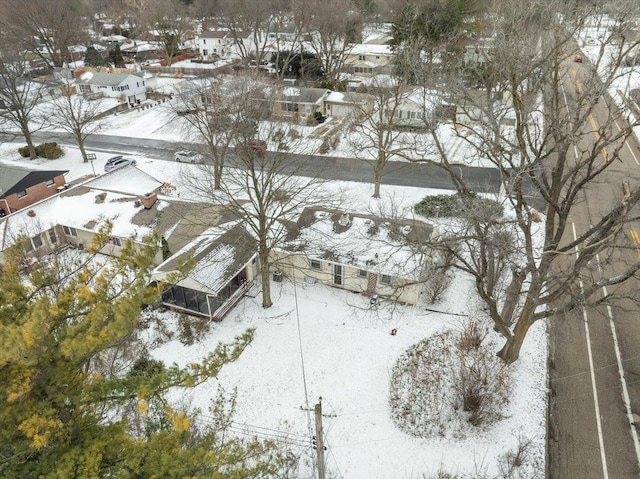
(116, 162)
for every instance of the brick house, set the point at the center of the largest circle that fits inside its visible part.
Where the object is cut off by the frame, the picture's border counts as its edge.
(21, 187)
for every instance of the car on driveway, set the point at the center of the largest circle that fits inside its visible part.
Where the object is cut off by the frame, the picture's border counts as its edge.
(118, 162)
(577, 59)
(186, 156)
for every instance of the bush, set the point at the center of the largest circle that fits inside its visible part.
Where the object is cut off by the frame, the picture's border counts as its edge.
(449, 384)
(192, 328)
(50, 151)
(469, 206)
(319, 117)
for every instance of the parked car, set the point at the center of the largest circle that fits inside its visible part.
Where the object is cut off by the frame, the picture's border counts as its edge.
(577, 59)
(259, 146)
(186, 156)
(116, 162)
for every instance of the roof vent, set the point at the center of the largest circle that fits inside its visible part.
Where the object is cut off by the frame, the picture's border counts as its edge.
(344, 220)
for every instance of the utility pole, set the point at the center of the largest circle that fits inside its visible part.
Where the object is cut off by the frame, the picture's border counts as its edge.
(319, 438)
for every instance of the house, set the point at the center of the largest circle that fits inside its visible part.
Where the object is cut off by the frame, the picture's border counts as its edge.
(21, 187)
(346, 104)
(131, 87)
(298, 102)
(416, 106)
(225, 265)
(369, 59)
(225, 44)
(358, 252)
(222, 253)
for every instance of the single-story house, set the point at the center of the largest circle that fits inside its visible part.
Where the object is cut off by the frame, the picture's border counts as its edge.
(131, 87)
(346, 104)
(225, 265)
(21, 187)
(361, 253)
(299, 102)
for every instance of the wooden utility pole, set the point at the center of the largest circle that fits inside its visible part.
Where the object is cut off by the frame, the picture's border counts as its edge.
(319, 438)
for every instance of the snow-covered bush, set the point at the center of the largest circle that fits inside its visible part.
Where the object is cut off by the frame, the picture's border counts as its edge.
(449, 383)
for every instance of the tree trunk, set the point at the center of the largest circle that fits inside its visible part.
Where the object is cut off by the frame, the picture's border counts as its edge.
(510, 352)
(32, 149)
(266, 281)
(82, 150)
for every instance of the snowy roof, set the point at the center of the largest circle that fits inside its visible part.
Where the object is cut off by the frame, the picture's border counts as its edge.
(370, 49)
(346, 97)
(302, 94)
(125, 180)
(107, 79)
(85, 207)
(383, 245)
(219, 253)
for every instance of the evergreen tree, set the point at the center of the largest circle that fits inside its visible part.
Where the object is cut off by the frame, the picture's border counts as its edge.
(116, 56)
(74, 403)
(93, 58)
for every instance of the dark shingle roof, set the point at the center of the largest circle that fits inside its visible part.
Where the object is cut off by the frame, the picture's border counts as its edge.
(18, 178)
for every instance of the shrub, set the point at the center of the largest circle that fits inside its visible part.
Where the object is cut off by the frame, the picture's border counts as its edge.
(438, 388)
(24, 151)
(469, 206)
(50, 151)
(319, 117)
(192, 329)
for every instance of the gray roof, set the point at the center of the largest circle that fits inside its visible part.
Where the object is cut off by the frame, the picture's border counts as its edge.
(107, 79)
(16, 178)
(302, 94)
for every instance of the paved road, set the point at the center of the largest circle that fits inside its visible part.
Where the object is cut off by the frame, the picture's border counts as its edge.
(485, 180)
(595, 354)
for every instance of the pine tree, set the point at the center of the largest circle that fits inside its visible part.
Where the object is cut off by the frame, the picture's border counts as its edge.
(80, 397)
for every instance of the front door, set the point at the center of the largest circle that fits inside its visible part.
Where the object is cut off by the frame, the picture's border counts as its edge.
(337, 274)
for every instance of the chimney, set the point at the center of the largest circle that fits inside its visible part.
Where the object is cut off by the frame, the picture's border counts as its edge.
(344, 220)
(149, 200)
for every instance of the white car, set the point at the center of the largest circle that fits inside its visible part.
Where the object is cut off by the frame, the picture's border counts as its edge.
(189, 157)
(118, 162)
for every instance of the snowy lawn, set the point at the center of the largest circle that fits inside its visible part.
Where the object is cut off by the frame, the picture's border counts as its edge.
(348, 355)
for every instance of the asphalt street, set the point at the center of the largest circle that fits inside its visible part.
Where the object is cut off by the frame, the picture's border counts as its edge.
(425, 175)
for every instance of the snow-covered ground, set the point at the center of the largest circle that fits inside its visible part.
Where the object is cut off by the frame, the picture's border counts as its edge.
(348, 355)
(347, 349)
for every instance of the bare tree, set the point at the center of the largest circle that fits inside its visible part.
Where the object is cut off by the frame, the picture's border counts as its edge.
(249, 16)
(335, 24)
(77, 116)
(168, 18)
(377, 136)
(551, 129)
(44, 28)
(19, 95)
(264, 191)
(216, 115)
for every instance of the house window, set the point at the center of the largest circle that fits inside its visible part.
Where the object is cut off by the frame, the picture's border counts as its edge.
(51, 182)
(362, 57)
(69, 231)
(205, 52)
(385, 279)
(204, 42)
(22, 194)
(377, 57)
(115, 241)
(315, 264)
(52, 236)
(362, 273)
(37, 241)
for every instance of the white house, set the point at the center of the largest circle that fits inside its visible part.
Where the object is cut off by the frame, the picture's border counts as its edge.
(131, 87)
(369, 59)
(223, 44)
(346, 104)
(358, 252)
